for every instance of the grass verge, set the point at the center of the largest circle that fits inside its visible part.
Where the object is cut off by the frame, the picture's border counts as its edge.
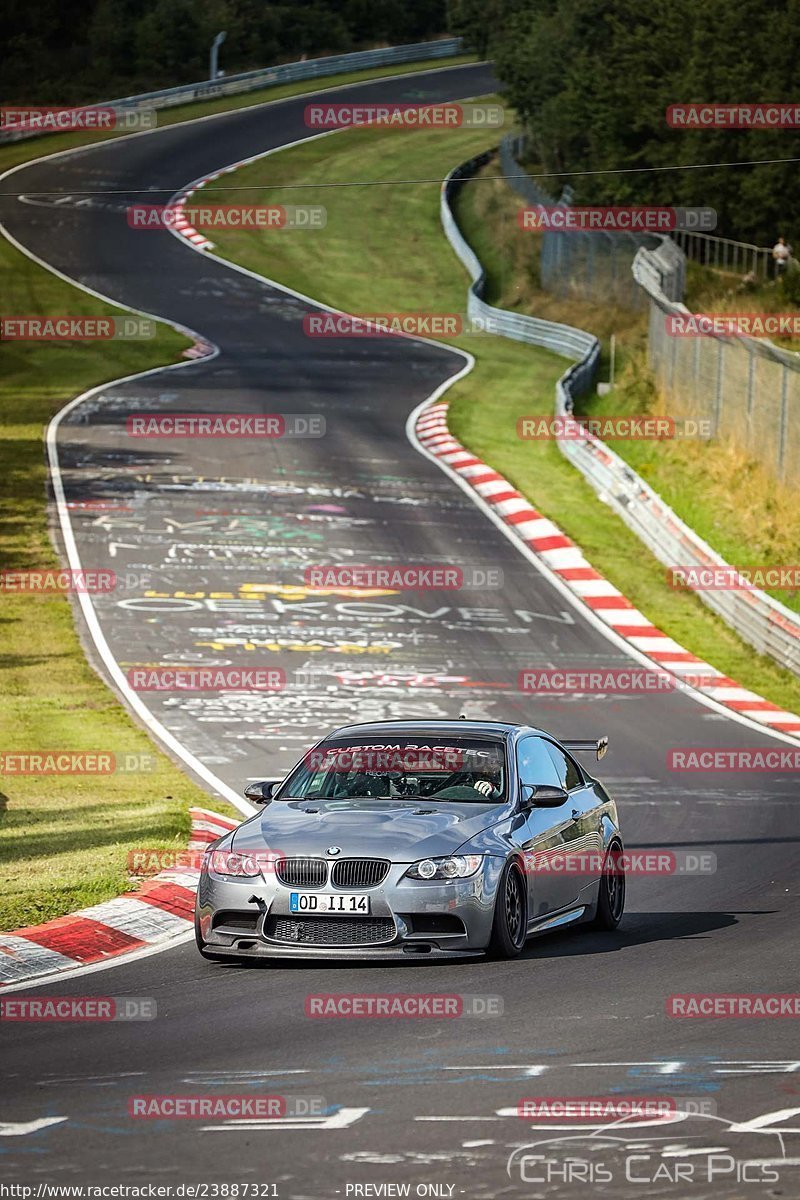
(757, 521)
(383, 250)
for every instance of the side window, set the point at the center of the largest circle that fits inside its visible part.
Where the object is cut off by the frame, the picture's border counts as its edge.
(535, 764)
(569, 776)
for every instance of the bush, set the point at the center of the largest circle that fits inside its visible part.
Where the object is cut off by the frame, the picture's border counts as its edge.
(789, 283)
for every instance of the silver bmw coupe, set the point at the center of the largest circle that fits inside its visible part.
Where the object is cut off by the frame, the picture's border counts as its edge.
(435, 838)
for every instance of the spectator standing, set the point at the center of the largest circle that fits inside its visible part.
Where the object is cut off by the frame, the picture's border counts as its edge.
(781, 253)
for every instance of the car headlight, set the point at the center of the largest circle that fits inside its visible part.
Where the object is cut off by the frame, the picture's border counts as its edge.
(227, 862)
(460, 866)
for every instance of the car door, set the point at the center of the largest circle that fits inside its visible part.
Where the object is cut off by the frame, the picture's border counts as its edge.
(547, 832)
(583, 840)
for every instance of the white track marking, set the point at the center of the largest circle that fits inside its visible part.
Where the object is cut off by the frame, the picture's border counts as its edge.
(766, 1122)
(342, 1119)
(534, 1069)
(21, 1128)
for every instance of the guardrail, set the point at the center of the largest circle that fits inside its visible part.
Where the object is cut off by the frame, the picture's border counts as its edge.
(583, 348)
(249, 81)
(725, 254)
(761, 621)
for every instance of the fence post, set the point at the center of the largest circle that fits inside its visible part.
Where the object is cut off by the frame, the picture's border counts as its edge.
(718, 395)
(784, 420)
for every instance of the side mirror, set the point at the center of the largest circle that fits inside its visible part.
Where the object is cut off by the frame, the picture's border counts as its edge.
(542, 795)
(262, 792)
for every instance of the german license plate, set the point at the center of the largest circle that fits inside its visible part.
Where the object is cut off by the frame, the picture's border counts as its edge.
(322, 902)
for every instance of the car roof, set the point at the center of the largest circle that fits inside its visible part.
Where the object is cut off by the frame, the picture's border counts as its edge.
(432, 726)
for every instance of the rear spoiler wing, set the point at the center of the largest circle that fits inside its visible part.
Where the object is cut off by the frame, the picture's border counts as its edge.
(597, 746)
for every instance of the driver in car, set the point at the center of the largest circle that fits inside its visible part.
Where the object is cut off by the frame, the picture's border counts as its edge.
(485, 779)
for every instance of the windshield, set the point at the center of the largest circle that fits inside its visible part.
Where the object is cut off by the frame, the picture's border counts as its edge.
(460, 769)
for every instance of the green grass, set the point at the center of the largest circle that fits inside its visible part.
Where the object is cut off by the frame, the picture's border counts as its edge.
(711, 290)
(383, 250)
(757, 521)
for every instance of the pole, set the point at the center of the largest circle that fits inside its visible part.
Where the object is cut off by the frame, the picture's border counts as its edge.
(213, 70)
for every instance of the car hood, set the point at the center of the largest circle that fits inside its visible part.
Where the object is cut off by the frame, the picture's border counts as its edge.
(402, 831)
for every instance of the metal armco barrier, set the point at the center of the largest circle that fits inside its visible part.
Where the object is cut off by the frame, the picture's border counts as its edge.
(761, 621)
(250, 81)
(572, 343)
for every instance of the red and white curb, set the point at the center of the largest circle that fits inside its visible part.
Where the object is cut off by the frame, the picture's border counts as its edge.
(181, 226)
(198, 349)
(567, 562)
(180, 222)
(162, 908)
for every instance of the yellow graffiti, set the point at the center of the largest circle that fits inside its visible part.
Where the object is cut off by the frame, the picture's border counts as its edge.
(285, 591)
(278, 647)
(299, 591)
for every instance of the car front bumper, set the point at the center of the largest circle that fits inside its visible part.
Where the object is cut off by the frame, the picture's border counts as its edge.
(408, 918)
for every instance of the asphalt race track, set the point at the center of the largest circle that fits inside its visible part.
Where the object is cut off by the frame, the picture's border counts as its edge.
(218, 530)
